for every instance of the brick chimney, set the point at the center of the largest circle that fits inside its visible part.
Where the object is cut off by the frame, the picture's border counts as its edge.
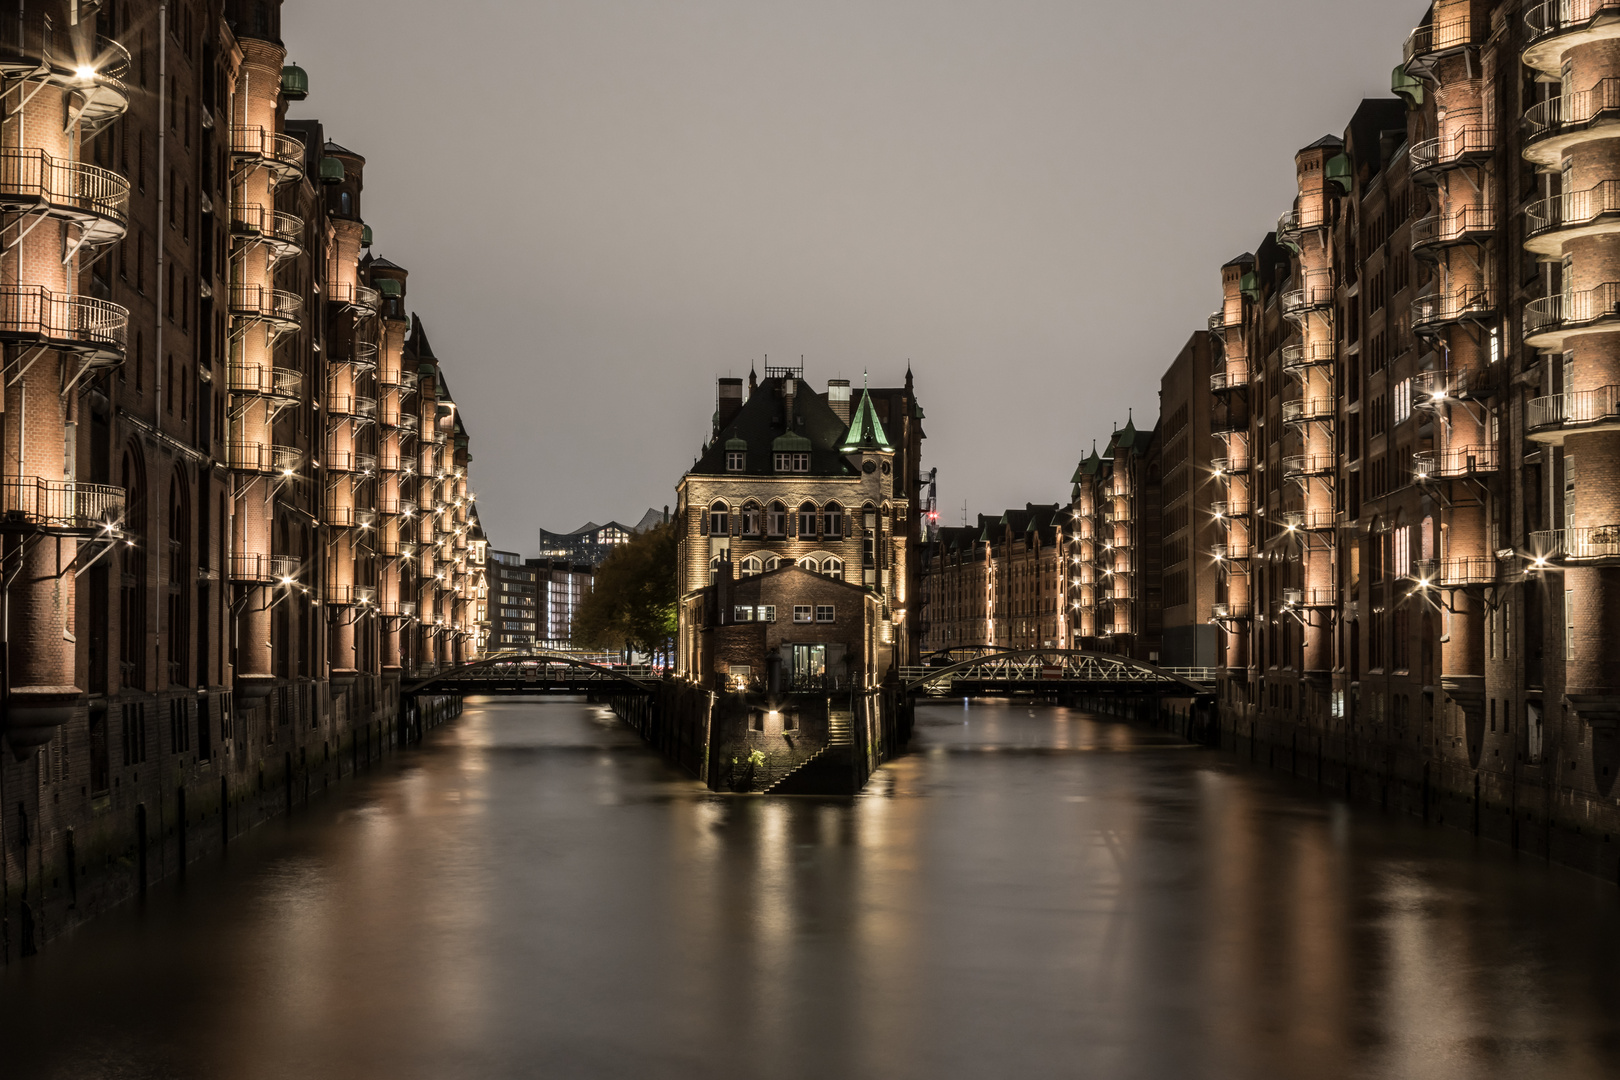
(838, 398)
(728, 403)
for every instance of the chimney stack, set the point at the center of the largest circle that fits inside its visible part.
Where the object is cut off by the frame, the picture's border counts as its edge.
(728, 403)
(838, 398)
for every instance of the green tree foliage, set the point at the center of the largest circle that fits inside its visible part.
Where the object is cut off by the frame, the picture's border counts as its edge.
(633, 600)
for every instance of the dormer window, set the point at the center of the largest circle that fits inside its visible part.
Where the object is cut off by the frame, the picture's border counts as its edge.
(736, 460)
(792, 463)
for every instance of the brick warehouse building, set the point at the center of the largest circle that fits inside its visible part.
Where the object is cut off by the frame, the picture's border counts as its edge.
(1413, 419)
(234, 482)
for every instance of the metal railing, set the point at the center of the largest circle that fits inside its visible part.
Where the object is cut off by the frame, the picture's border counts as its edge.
(350, 461)
(1297, 219)
(262, 302)
(272, 224)
(1573, 111)
(254, 567)
(348, 517)
(263, 381)
(341, 595)
(1438, 230)
(1575, 409)
(1309, 410)
(283, 153)
(1322, 596)
(1461, 146)
(1572, 309)
(1440, 310)
(67, 322)
(1573, 209)
(1470, 570)
(1457, 462)
(1562, 16)
(1313, 520)
(401, 609)
(69, 186)
(1226, 509)
(1434, 40)
(1224, 466)
(1233, 378)
(1577, 545)
(1309, 464)
(1295, 357)
(351, 405)
(265, 458)
(1230, 612)
(60, 505)
(1231, 551)
(360, 296)
(1316, 295)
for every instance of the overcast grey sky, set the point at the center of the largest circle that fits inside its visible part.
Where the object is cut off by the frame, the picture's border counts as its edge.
(606, 204)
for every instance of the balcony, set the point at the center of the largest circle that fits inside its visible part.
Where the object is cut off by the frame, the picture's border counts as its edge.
(1233, 378)
(1317, 295)
(1553, 126)
(1308, 410)
(260, 303)
(362, 299)
(1432, 388)
(62, 507)
(257, 380)
(395, 549)
(1551, 223)
(1225, 510)
(360, 354)
(410, 422)
(1301, 466)
(282, 234)
(91, 75)
(348, 461)
(255, 569)
(397, 609)
(282, 154)
(1453, 464)
(1600, 543)
(1435, 233)
(1302, 357)
(1550, 419)
(1229, 466)
(400, 506)
(337, 595)
(1428, 45)
(1433, 313)
(1231, 422)
(1318, 519)
(351, 406)
(1231, 551)
(1548, 322)
(94, 199)
(1294, 223)
(1230, 612)
(349, 517)
(256, 457)
(1556, 26)
(34, 316)
(1466, 147)
(1325, 596)
(1454, 573)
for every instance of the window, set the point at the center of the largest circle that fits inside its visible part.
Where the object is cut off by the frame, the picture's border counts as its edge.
(795, 462)
(833, 521)
(833, 568)
(750, 567)
(1569, 624)
(802, 613)
(750, 519)
(1403, 400)
(736, 460)
(810, 564)
(742, 614)
(824, 613)
(807, 519)
(767, 613)
(719, 520)
(776, 521)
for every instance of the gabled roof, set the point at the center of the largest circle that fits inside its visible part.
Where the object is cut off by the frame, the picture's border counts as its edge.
(417, 342)
(765, 418)
(1326, 142)
(865, 430)
(378, 262)
(1245, 259)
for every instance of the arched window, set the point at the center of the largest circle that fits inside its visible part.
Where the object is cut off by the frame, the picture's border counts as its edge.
(719, 520)
(180, 574)
(750, 519)
(833, 568)
(751, 566)
(714, 570)
(773, 562)
(809, 563)
(346, 204)
(832, 520)
(776, 520)
(807, 519)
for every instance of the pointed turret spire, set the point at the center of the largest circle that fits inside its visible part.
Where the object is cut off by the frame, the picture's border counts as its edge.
(865, 431)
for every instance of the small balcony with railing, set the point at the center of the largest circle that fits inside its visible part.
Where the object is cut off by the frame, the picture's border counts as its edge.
(252, 568)
(1552, 320)
(1436, 312)
(360, 355)
(1454, 573)
(93, 198)
(1553, 126)
(261, 380)
(1314, 598)
(1314, 519)
(1433, 42)
(1234, 377)
(1432, 235)
(34, 316)
(282, 234)
(397, 609)
(1317, 294)
(1225, 511)
(339, 516)
(1235, 550)
(1553, 27)
(1550, 419)
(1456, 463)
(361, 299)
(1432, 389)
(1301, 219)
(265, 458)
(60, 507)
(1229, 465)
(1302, 358)
(1597, 544)
(1551, 223)
(351, 461)
(1309, 410)
(262, 147)
(91, 71)
(396, 506)
(1469, 146)
(341, 595)
(351, 407)
(1309, 466)
(261, 303)
(1231, 612)
(395, 548)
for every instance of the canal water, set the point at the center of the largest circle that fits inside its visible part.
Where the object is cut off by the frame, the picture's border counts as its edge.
(1033, 892)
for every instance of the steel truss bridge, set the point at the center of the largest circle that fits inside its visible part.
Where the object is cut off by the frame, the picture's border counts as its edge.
(536, 673)
(982, 670)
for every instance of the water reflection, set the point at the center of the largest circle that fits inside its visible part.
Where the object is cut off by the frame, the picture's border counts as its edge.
(1034, 892)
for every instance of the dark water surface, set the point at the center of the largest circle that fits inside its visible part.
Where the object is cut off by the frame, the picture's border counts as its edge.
(1031, 893)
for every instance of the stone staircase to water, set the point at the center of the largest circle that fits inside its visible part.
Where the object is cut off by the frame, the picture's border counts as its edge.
(829, 771)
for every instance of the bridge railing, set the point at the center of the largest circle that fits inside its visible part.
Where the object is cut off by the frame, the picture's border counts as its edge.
(1037, 671)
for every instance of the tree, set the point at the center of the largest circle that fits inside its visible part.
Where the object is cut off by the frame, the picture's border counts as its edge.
(633, 600)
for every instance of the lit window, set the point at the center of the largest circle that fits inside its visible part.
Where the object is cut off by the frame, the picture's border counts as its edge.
(794, 462)
(736, 460)
(776, 521)
(750, 567)
(767, 613)
(750, 519)
(833, 568)
(833, 521)
(802, 613)
(742, 614)
(824, 613)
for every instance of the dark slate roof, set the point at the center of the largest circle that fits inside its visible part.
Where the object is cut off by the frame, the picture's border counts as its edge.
(957, 538)
(1328, 142)
(378, 262)
(1245, 259)
(334, 148)
(762, 421)
(417, 342)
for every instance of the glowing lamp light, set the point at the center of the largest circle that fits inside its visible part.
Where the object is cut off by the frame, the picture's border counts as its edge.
(84, 73)
(286, 581)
